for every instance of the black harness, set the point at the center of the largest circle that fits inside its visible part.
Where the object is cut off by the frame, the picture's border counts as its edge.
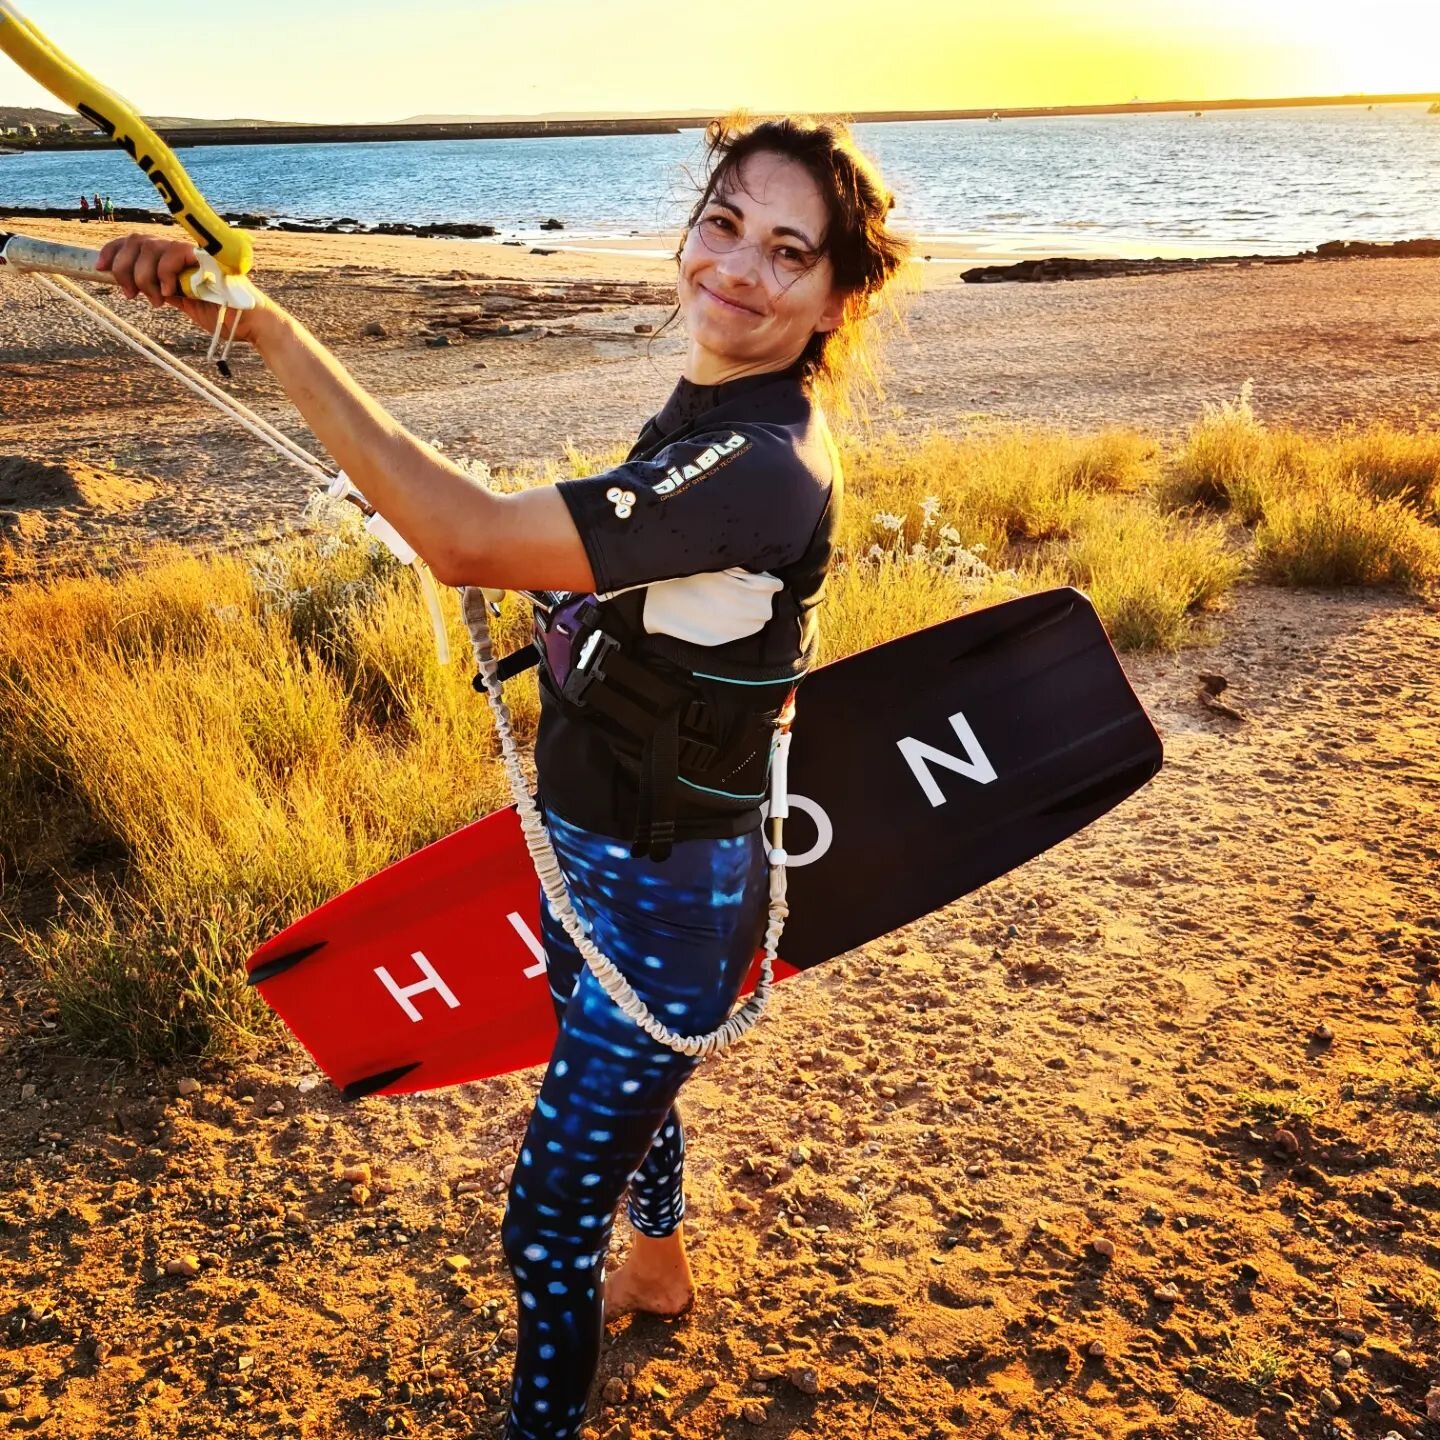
(671, 727)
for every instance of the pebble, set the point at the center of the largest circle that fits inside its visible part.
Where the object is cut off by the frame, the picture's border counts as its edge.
(1167, 1294)
(275, 1107)
(11, 1399)
(189, 1086)
(800, 1155)
(754, 1413)
(804, 1379)
(1342, 1360)
(359, 1194)
(1432, 1404)
(187, 1265)
(1287, 1142)
(1322, 1034)
(457, 1263)
(27, 1092)
(470, 1187)
(1096, 1350)
(975, 1172)
(470, 1301)
(1101, 1246)
(356, 1174)
(773, 1348)
(615, 1391)
(1330, 1400)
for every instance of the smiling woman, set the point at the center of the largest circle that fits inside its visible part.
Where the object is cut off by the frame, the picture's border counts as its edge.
(676, 604)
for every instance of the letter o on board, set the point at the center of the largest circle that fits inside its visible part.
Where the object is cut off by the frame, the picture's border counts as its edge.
(824, 831)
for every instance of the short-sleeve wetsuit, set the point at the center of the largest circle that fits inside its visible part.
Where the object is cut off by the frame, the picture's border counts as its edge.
(714, 536)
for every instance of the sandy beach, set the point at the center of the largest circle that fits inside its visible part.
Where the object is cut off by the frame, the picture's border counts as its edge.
(547, 348)
(1112, 1149)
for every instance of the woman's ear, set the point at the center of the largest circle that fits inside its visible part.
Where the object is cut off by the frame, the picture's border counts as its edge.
(833, 315)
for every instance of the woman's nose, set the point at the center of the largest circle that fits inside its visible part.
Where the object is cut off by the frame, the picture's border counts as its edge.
(740, 264)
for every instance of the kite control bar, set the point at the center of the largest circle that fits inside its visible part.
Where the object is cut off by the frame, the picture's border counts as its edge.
(207, 281)
(112, 116)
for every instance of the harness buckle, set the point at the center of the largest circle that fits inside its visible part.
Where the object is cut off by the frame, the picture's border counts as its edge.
(589, 665)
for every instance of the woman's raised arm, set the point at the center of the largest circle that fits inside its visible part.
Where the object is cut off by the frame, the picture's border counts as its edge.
(466, 533)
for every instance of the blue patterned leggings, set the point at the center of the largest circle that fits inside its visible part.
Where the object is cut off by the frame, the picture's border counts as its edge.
(683, 933)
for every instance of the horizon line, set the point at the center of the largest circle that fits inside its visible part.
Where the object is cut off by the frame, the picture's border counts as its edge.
(973, 112)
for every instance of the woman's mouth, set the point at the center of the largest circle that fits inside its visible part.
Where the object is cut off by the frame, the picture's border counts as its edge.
(728, 304)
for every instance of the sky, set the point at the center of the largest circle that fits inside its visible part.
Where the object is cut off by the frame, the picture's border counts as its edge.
(373, 60)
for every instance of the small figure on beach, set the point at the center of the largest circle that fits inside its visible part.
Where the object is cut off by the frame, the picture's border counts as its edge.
(696, 567)
(84, 208)
(95, 201)
(109, 209)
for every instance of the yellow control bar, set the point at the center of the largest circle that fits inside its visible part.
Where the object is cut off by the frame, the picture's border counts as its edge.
(47, 66)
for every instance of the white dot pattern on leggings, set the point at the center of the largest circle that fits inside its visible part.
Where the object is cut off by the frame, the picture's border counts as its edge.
(605, 1118)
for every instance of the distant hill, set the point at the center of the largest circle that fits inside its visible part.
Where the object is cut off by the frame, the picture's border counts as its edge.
(20, 115)
(560, 115)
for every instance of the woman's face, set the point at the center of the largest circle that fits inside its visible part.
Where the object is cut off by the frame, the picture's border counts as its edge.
(754, 285)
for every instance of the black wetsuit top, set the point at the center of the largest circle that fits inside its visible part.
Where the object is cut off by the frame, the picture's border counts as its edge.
(712, 538)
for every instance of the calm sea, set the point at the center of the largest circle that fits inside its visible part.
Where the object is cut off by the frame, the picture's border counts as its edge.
(1264, 180)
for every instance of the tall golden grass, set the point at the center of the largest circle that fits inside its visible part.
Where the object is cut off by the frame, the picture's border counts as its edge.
(1356, 508)
(201, 750)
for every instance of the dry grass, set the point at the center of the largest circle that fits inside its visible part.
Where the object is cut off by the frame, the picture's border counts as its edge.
(1357, 508)
(201, 750)
(243, 743)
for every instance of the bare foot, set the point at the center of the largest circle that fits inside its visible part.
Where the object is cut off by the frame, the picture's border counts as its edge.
(654, 1280)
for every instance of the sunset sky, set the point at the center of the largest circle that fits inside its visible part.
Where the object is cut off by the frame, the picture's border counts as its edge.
(364, 60)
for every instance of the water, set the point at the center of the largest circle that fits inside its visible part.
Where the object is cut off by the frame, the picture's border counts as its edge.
(1262, 180)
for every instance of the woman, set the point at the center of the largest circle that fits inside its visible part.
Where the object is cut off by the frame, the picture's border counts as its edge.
(692, 571)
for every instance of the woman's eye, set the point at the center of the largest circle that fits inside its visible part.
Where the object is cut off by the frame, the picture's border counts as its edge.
(719, 222)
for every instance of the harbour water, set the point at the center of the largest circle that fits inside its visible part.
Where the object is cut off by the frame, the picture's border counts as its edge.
(1268, 181)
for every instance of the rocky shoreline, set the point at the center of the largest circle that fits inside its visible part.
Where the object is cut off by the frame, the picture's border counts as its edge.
(1049, 268)
(1068, 268)
(345, 225)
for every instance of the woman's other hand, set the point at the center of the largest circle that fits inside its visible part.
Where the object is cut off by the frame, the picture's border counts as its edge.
(146, 265)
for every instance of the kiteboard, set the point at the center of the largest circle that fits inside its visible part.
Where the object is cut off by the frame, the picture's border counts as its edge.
(920, 770)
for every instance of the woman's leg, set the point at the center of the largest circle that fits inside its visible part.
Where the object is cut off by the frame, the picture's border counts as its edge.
(683, 933)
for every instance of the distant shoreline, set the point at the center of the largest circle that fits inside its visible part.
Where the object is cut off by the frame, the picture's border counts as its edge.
(988, 258)
(303, 134)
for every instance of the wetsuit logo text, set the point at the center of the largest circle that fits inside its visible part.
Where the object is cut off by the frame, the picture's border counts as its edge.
(707, 459)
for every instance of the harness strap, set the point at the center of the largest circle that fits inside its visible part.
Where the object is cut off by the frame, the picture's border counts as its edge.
(659, 774)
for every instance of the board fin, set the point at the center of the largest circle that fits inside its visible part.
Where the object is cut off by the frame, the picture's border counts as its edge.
(359, 1089)
(281, 963)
